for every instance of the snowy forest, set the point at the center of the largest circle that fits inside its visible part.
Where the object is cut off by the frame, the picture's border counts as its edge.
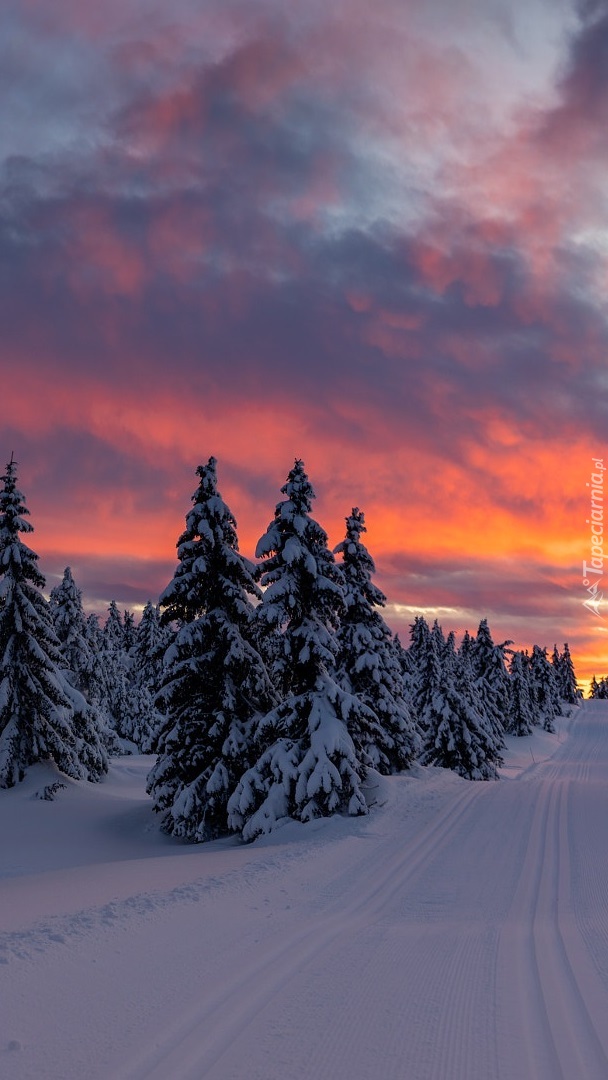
(266, 690)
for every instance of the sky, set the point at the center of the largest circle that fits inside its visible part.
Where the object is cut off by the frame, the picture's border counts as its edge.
(369, 235)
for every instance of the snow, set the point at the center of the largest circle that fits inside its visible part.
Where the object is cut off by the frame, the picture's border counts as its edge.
(457, 932)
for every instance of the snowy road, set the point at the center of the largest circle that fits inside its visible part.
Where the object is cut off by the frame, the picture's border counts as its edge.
(458, 933)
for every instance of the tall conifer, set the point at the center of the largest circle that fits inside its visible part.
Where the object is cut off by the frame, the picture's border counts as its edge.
(214, 682)
(42, 716)
(307, 765)
(521, 709)
(368, 664)
(147, 654)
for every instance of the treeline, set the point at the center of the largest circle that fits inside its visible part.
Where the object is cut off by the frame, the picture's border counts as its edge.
(598, 688)
(267, 691)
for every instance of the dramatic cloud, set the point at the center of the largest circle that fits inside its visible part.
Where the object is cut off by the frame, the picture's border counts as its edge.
(368, 236)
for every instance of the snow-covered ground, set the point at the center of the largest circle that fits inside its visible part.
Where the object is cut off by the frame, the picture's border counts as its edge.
(460, 932)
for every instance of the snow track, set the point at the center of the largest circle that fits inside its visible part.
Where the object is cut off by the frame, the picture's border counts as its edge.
(198, 1042)
(556, 1003)
(458, 933)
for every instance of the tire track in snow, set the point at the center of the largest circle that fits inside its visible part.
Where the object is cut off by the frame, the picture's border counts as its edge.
(188, 1049)
(559, 1033)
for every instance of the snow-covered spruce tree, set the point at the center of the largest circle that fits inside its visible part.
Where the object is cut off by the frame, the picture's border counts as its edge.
(99, 676)
(595, 689)
(458, 735)
(465, 652)
(544, 691)
(114, 631)
(129, 631)
(118, 665)
(429, 649)
(491, 678)
(418, 652)
(368, 665)
(80, 656)
(520, 718)
(42, 716)
(474, 688)
(214, 682)
(151, 642)
(407, 671)
(69, 622)
(449, 651)
(419, 639)
(570, 685)
(566, 678)
(598, 689)
(307, 765)
(131, 701)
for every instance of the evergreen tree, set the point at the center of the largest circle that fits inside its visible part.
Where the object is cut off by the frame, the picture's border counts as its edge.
(430, 673)
(307, 765)
(594, 688)
(458, 735)
(473, 690)
(407, 671)
(129, 631)
(491, 678)
(118, 665)
(566, 678)
(42, 716)
(79, 655)
(417, 654)
(114, 630)
(449, 651)
(151, 642)
(439, 637)
(99, 675)
(69, 622)
(214, 682)
(145, 720)
(419, 640)
(368, 665)
(602, 688)
(545, 695)
(466, 653)
(521, 710)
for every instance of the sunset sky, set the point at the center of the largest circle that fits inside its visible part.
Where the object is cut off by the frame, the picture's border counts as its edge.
(370, 235)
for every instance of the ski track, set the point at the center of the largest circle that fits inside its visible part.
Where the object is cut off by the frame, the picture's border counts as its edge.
(587, 843)
(187, 1051)
(476, 949)
(561, 1029)
(592, 875)
(555, 1003)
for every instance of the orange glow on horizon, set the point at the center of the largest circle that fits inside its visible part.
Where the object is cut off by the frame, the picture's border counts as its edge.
(369, 237)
